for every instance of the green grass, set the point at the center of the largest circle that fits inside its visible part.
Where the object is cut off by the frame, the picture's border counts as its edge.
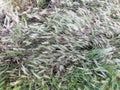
(73, 48)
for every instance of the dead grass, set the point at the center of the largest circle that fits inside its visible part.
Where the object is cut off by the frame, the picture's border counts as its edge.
(69, 46)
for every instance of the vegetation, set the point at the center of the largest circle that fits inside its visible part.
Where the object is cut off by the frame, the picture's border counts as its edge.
(60, 45)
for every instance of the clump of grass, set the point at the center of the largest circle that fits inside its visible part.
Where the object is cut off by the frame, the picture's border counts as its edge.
(71, 48)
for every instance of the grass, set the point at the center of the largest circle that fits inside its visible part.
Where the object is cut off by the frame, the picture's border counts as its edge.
(72, 46)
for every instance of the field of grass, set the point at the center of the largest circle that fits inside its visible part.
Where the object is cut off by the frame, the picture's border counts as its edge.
(67, 45)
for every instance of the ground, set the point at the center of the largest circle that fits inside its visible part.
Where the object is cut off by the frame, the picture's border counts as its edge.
(63, 45)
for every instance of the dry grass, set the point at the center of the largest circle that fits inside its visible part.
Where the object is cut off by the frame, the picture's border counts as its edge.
(72, 45)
